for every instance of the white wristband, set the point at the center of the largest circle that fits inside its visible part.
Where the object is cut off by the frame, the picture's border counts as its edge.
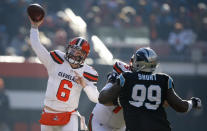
(190, 105)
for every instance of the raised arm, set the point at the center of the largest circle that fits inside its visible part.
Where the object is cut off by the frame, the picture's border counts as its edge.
(41, 52)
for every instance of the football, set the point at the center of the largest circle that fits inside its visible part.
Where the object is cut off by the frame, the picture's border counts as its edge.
(36, 12)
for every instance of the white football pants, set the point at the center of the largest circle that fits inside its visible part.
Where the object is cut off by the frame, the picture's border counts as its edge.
(97, 126)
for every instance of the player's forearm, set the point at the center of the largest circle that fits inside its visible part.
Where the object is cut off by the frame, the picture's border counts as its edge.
(177, 103)
(92, 93)
(182, 106)
(109, 94)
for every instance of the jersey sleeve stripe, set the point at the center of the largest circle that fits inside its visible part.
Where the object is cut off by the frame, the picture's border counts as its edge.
(117, 109)
(90, 77)
(117, 69)
(169, 83)
(122, 80)
(90, 122)
(56, 57)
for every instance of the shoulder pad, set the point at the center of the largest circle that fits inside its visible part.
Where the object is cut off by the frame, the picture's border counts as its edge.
(57, 56)
(164, 75)
(121, 80)
(90, 74)
(169, 80)
(120, 67)
(170, 83)
(126, 73)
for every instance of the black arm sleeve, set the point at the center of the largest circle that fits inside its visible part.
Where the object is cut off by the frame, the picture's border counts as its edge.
(109, 95)
(176, 102)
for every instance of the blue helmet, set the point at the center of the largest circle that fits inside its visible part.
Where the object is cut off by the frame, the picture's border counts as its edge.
(145, 59)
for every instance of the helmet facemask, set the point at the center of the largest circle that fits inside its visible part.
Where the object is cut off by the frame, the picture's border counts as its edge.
(75, 55)
(144, 66)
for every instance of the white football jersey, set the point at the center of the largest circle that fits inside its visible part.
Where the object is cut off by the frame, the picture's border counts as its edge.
(112, 116)
(63, 92)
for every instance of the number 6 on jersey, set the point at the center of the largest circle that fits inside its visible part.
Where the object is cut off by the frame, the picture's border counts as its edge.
(63, 92)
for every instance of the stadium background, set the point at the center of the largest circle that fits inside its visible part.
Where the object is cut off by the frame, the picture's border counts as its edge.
(115, 29)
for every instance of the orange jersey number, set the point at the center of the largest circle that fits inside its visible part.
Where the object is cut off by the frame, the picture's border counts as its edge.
(64, 90)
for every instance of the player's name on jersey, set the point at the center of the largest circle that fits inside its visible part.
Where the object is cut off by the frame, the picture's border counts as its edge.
(146, 77)
(62, 74)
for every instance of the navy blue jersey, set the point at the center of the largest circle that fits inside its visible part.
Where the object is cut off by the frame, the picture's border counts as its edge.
(142, 96)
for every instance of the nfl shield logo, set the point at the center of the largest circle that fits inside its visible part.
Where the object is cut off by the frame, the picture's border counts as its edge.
(55, 118)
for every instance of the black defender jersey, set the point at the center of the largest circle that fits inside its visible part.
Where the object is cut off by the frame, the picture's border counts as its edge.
(142, 96)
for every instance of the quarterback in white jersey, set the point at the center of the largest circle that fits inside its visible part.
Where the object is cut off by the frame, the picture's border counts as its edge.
(68, 75)
(109, 118)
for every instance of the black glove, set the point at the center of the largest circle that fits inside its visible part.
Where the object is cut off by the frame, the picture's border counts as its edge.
(196, 102)
(112, 77)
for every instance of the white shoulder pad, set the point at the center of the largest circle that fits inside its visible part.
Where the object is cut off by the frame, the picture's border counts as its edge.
(57, 56)
(120, 67)
(90, 73)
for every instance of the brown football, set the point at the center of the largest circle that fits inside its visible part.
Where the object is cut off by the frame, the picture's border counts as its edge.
(36, 12)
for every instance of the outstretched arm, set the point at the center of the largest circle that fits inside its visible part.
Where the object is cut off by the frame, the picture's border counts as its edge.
(181, 105)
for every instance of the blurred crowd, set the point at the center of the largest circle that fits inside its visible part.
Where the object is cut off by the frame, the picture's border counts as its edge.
(161, 16)
(180, 23)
